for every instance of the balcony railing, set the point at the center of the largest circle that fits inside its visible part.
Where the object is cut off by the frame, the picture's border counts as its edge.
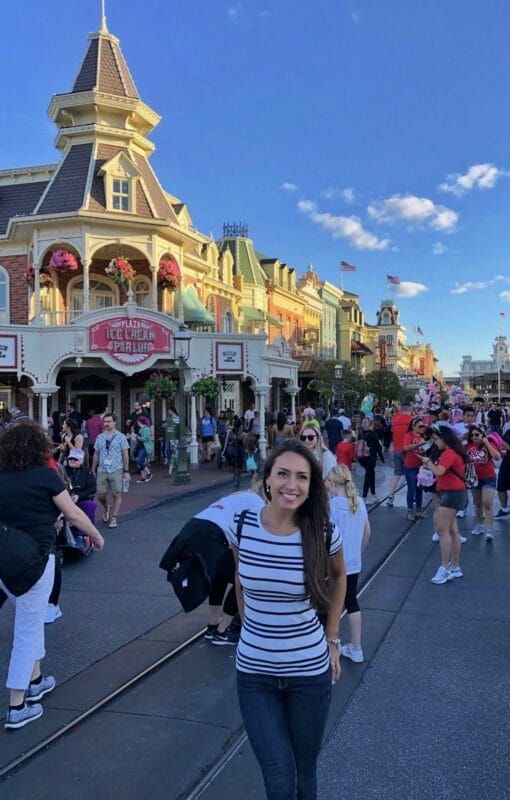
(57, 317)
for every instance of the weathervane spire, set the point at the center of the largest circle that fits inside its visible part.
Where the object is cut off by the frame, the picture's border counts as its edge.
(104, 29)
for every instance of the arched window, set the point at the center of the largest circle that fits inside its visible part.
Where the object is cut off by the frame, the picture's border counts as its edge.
(5, 316)
(228, 322)
(142, 290)
(103, 294)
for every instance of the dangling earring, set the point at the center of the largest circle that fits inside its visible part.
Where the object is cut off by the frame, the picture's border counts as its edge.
(267, 491)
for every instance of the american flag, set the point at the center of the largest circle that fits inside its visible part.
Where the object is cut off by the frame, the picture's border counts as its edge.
(345, 267)
(393, 279)
(503, 314)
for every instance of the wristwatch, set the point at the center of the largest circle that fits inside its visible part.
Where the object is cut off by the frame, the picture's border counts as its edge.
(336, 642)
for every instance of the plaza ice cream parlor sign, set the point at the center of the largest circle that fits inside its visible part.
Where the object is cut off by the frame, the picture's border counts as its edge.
(129, 341)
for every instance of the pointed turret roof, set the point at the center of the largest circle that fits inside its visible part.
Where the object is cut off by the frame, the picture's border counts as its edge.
(104, 68)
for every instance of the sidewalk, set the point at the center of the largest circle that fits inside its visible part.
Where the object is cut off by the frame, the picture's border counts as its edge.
(162, 487)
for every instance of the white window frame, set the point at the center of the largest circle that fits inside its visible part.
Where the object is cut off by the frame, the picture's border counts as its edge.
(71, 288)
(5, 313)
(143, 280)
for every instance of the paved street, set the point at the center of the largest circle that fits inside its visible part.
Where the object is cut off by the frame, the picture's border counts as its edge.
(436, 669)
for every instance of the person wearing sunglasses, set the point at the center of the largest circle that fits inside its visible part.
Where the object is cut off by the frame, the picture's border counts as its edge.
(310, 437)
(414, 440)
(482, 454)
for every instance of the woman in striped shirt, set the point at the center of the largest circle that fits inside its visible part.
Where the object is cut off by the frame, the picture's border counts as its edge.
(286, 661)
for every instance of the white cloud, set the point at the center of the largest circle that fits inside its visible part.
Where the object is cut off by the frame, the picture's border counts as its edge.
(289, 187)
(410, 289)
(438, 249)
(479, 176)
(340, 227)
(413, 211)
(334, 192)
(505, 296)
(471, 286)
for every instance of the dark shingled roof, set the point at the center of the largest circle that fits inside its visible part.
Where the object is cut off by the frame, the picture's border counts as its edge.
(104, 68)
(160, 203)
(67, 187)
(20, 199)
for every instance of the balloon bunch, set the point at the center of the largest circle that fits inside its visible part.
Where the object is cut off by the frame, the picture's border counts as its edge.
(457, 396)
(428, 397)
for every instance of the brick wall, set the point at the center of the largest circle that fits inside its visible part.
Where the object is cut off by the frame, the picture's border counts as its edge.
(16, 267)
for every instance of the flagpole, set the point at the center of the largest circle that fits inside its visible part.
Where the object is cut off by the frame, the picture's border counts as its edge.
(498, 360)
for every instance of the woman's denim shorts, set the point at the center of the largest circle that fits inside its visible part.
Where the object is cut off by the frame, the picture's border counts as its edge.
(456, 499)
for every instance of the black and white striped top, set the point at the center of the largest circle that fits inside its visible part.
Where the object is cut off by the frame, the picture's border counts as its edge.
(281, 634)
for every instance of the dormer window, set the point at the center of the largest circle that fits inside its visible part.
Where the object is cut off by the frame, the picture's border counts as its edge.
(120, 194)
(120, 176)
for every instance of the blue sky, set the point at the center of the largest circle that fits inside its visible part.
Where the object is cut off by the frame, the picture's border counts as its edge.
(373, 131)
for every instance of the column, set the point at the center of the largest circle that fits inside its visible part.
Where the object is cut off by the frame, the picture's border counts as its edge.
(43, 410)
(193, 425)
(86, 288)
(30, 397)
(38, 320)
(154, 287)
(260, 402)
(293, 390)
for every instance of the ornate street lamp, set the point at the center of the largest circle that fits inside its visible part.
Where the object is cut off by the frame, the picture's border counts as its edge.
(182, 341)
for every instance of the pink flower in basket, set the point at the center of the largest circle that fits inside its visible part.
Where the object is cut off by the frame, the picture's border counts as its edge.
(63, 261)
(120, 270)
(169, 274)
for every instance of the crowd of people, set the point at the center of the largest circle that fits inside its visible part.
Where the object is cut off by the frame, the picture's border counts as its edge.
(278, 564)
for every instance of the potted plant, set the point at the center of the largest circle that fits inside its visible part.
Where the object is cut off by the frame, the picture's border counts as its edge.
(206, 387)
(160, 385)
(169, 274)
(45, 281)
(120, 270)
(63, 261)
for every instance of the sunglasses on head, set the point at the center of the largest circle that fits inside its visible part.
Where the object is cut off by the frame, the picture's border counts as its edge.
(308, 437)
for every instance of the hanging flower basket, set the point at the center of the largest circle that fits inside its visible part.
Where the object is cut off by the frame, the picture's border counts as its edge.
(160, 385)
(169, 274)
(120, 270)
(45, 281)
(63, 261)
(206, 387)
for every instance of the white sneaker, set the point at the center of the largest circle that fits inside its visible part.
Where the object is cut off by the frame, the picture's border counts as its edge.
(52, 613)
(443, 575)
(456, 572)
(462, 538)
(478, 529)
(489, 536)
(435, 537)
(461, 514)
(354, 653)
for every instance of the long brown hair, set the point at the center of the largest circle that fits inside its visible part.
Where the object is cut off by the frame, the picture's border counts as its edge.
(311, 517)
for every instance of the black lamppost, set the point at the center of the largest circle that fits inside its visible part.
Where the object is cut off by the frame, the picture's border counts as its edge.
(182, 341)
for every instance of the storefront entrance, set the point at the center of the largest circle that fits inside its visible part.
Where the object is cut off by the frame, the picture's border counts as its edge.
(93, 392)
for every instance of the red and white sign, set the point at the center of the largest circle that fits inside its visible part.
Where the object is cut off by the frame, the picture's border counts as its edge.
(8, 352)
(129, 341)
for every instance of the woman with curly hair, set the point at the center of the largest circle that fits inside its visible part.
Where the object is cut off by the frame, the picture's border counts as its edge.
(286, 660)
(32, 495)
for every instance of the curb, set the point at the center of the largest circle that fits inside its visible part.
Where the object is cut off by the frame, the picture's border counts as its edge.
(172, 498)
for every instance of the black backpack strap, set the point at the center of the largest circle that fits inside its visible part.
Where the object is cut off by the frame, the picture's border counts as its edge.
(240, 523)
(329, 535)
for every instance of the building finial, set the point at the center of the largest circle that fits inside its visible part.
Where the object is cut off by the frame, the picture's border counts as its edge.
(104, 29)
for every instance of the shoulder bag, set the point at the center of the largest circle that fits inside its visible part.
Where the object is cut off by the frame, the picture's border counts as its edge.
(22, 561)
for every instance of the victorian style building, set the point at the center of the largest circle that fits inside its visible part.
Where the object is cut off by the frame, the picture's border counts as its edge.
(99, 265)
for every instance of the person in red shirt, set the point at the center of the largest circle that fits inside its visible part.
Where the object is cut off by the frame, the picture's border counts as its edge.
(482, 453)
(413, 441)
(345, 450)
(449, 471)
(399, 425)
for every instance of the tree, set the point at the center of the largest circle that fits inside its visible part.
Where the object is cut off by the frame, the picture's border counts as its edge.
(384, 385)
(331, 390)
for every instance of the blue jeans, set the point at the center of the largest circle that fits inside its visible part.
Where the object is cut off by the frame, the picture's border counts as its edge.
(413, 489)
(141, 458)
(285, 720)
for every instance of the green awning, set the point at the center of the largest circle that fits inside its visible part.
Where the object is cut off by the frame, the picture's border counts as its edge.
(274, 320)
(194, 312)
(253, 314)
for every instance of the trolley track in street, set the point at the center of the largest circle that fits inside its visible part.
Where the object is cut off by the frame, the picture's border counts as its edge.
(236, 740)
